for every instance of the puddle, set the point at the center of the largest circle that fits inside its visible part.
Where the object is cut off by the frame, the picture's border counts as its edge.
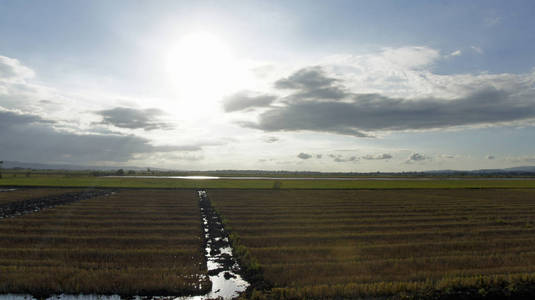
(7, 190)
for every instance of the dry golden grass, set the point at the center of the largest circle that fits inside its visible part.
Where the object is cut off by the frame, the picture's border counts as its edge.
(133, 242)
(372, 242)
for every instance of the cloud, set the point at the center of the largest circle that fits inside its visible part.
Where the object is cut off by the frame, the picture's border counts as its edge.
(27, 137)
(341, 158)
(455, 53)
(130, 118)
(377, 157)
(412, 57)
(14, 119)
(246, 100)
(305, 79)
(491, 157)
(312, 83)
(271, 139)
(319, 156)
(477, 49)
(304, 155)
(417, 157)
(492, 20)
(360, 114)
(12, 70)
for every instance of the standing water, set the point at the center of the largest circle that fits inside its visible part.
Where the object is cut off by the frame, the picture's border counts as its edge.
(222, 266)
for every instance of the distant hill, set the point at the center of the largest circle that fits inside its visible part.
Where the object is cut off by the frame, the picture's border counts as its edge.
(522, 169)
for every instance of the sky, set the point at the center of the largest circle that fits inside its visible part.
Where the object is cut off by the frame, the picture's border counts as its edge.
(346, 86)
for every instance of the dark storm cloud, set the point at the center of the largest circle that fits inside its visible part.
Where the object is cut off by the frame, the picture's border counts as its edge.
(312, 108)
(304, 155)
(245, 100)
(28, 137)
(123, 117)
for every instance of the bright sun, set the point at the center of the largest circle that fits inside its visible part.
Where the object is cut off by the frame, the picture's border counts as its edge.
(201, 69)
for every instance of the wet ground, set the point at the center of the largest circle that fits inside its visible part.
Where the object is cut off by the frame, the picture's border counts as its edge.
(18, 208)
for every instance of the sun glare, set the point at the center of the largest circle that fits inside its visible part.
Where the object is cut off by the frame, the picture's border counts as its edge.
(201, 69)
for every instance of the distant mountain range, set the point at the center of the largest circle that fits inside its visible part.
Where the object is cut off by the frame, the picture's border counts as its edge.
(522, 169)
(71, 167)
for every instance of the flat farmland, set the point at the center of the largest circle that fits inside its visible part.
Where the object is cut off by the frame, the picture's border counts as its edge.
(143, 242)
(379, 243)
(25, 194)
(156, 182)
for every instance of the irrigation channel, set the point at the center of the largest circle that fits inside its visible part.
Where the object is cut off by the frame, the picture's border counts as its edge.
(222, 267)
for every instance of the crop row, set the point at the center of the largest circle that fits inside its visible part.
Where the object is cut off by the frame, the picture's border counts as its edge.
(129, 243)
(322, 244)
(25, 194)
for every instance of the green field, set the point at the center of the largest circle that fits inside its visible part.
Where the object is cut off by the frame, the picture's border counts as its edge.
(130, 243)
(128, 182)
(374, 243)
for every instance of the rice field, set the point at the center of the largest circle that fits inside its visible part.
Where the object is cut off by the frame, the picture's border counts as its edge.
(130, 243)
(437, 243)
(50, 181)
(26, 194)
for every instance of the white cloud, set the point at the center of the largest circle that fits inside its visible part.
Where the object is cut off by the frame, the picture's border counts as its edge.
(492, 20)
(377, 156)
(12, 70)
(455, 53)
(477, 49)
(410, 57)
(417, 157)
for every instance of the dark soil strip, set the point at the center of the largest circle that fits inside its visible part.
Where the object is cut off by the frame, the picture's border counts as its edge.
(18, 208)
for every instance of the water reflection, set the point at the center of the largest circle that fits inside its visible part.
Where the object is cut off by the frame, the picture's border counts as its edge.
(222, 266)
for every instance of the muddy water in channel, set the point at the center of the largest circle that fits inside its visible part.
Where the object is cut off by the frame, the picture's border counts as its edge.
(222, 266)
(220, 262)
